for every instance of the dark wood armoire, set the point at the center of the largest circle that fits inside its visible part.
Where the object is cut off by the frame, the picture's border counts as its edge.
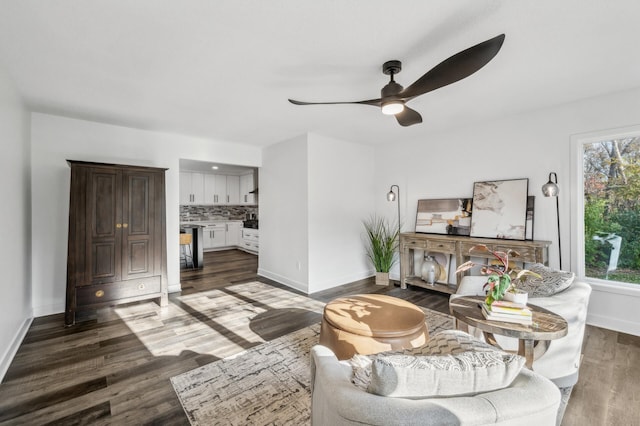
(117, 250)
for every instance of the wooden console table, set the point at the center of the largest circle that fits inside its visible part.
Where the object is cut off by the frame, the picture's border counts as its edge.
(459, 246)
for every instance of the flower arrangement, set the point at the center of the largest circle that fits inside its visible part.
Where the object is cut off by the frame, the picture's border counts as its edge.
(500, 278)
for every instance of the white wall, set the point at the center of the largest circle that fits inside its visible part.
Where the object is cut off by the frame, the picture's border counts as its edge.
(284, 243)
(340, 198)
(530, 145)
(56, 139)
(314, 193)
(15, 215)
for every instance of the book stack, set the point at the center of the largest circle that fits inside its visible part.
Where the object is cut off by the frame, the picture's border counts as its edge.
(503, 310)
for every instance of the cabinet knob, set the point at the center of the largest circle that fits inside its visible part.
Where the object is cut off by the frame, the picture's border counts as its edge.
(118, 225)
(125, 225)
(99, 293)
(141, 286)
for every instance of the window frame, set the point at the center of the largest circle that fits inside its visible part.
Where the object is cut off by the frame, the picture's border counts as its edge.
(577, 206)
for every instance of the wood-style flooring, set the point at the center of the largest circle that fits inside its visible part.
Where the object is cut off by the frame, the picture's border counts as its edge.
(101, 372)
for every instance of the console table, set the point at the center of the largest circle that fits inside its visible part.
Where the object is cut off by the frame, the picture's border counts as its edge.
(459, 246)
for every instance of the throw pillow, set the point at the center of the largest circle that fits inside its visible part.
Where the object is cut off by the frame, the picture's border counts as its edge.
(448, 342)
(468, 373)
(553, 281)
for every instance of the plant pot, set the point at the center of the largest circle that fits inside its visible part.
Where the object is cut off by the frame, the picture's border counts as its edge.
(382, 278)
(518, 296)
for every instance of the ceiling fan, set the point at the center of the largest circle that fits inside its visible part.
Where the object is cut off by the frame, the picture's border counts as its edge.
(393, 97)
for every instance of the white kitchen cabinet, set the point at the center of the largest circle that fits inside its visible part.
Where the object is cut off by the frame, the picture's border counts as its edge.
(234, 231)
(250, 240)
(247, 186)
(220, 189)
(233, 189)
(214, 236)
(191, 188)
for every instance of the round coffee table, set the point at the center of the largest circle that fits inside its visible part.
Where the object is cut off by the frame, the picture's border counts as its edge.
(371, 323)
(533, 339)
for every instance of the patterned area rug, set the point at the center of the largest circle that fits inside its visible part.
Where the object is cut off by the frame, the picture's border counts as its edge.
(267, 384)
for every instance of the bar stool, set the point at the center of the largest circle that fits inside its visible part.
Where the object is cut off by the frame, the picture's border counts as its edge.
(185, 250)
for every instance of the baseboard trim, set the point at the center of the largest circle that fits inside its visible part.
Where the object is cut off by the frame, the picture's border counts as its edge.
(11, 351)
(615, 324)
(303, 287)
(174, 288)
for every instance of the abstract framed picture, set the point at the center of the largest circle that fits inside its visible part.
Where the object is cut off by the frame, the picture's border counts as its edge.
(444, 216)
(500, 209)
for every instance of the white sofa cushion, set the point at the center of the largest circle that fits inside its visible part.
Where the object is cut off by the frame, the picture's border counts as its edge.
(468, 373)
(435, 375)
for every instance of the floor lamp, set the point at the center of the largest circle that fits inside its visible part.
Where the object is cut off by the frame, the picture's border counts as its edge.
(392, 196)
(550, 189)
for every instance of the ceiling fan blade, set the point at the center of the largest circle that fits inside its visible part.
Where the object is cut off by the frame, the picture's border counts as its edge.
(408, 117)
(455, 68)
(373, 102)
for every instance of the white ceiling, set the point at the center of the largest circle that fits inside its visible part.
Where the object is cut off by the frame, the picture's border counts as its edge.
(224, 69)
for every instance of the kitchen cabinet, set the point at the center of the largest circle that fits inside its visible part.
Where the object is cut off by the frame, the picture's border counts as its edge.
(234, 231)
(233, 189)
(117, 236)
(250, 240)
(214, 236)
(215, 189)
(246, 187)
(192, 187)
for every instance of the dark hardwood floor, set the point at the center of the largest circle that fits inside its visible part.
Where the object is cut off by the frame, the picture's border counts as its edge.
(113, 369)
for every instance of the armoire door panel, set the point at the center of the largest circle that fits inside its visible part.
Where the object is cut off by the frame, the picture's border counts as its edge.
(103, 239)
(138, 258)
(138, 211)
(103, 204)
(103, 263)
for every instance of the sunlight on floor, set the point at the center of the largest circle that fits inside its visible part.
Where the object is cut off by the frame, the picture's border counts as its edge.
(193, 322)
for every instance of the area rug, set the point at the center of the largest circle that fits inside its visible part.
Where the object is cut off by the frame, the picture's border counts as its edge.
(265, 385)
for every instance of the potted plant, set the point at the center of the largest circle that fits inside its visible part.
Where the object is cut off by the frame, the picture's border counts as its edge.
(500, 280)
(381, 245)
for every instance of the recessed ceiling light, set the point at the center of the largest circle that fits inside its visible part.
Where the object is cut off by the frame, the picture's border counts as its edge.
(214, 167)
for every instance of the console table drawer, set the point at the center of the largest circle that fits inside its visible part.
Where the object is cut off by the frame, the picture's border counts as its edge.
(442, 246)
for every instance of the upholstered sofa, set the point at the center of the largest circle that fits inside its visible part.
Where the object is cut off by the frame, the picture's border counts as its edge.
(561, 362)
(529, 399)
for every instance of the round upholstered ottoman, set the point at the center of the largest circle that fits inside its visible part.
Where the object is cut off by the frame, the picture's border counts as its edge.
(371, 323)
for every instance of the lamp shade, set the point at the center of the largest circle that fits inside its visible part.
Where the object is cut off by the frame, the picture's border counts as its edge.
(391, 196)
(550, 189)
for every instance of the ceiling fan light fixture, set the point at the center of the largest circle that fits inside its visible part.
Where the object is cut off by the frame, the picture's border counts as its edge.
(392, 107)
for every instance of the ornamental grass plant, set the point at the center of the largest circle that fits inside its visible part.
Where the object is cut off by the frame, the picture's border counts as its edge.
(382, 242)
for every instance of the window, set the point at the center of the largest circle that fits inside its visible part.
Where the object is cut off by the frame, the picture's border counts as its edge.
(607, 232)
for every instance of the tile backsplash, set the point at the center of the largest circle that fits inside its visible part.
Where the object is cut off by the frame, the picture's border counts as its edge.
(195, 213)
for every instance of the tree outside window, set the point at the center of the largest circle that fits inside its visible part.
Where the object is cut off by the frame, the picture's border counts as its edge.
(612, 209)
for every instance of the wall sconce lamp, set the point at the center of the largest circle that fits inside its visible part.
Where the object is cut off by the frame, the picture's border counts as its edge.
(550, 189)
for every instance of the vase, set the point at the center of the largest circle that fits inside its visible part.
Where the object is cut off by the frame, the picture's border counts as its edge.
(430, 271)
(382, 278)
(518, 296)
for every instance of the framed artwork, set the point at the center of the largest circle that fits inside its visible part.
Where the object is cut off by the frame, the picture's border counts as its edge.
(444, 216)
(531, 201)
(500, 209)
